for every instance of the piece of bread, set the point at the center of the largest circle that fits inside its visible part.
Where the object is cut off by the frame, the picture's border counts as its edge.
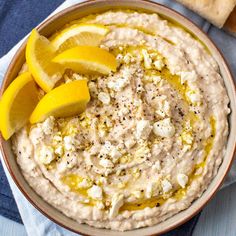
(230, 24)
(216, 11)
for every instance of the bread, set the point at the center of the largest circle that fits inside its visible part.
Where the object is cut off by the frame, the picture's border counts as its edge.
(216, 11)
(230, 24)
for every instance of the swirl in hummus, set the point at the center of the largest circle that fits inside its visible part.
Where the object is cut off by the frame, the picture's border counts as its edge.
(151, 139)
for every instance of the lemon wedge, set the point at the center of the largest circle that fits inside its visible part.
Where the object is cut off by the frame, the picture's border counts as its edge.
(39, 53)
(79, 34)
(87, 60)
(63, 101)
(17, 104)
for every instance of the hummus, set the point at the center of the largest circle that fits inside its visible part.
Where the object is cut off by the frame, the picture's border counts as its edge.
(151, 139)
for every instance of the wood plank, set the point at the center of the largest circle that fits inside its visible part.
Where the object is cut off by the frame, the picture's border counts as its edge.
(219, 216)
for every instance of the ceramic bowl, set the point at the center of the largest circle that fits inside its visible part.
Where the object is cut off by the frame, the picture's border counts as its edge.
(77, 11)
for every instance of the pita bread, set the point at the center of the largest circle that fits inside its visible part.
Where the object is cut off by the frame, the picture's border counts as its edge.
(230, 24)
(216, 11)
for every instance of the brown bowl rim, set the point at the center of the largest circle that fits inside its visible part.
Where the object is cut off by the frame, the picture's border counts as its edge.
(22, 48)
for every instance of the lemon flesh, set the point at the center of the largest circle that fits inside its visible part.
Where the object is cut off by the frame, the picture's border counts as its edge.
(87, 60)
(17, 104)
(63, 101)
(39, 53)
(79, 34)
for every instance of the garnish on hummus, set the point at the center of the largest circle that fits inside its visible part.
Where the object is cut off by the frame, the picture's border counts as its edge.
(152, 130)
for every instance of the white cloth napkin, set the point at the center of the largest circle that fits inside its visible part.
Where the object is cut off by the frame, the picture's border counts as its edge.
(38, 225)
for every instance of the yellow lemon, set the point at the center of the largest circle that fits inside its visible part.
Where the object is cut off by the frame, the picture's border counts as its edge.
(79, 34)
(87, 60)
(65, 100)
(39, 53)
(17, 104)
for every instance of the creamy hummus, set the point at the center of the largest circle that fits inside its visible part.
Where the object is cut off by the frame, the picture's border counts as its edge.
(152, 136)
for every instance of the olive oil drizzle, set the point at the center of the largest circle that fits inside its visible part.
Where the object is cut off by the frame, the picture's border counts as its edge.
(73, 180)
(180, 193)
(171, 22)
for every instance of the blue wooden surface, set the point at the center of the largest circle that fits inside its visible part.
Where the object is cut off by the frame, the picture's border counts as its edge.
(218, 218)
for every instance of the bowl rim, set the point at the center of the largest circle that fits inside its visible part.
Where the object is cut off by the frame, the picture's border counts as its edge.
(94, 2)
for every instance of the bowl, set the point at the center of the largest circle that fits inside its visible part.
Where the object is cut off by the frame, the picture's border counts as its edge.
(56, 22)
